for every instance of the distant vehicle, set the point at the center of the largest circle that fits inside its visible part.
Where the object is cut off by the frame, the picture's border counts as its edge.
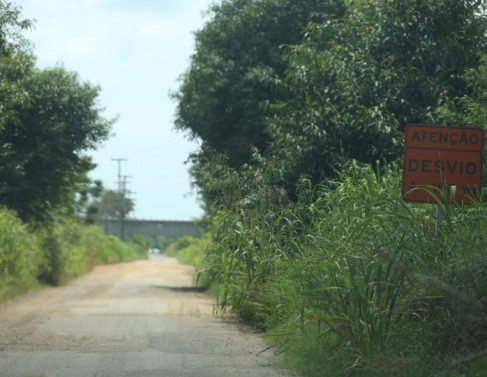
(155, 250)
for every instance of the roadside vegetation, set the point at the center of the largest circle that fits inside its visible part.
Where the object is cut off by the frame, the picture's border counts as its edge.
(350, 280)
(49, 120)
(55, 254)
(190, 251)
(300, 107)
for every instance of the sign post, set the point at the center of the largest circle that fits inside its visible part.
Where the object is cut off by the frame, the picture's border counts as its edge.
(438, 158)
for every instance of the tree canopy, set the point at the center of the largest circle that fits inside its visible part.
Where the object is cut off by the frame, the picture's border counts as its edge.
(43, 157)
(112, 205)
(48, 120)
(335, 85)
(359, 80)
(15, 60)
(224, 96)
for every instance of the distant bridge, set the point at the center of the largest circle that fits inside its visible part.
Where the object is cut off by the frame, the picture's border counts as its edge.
(152, 228)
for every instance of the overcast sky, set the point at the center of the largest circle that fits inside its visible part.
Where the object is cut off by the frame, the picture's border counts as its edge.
(134, 50)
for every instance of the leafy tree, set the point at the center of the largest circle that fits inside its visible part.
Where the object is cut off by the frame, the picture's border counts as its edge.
(42, 161)
(15, 60)
(358, 81)
(224, 97)
(470, 109)
(112, 205)
(83, 203)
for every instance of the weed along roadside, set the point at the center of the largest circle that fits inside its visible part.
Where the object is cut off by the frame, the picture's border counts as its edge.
(56, 253)
(350, 280)
(308, 235)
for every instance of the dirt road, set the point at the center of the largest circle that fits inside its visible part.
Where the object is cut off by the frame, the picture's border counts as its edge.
(138, 319)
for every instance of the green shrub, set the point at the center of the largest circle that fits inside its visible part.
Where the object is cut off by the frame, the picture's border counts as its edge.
(72, 249)
(189, 250)
(56, 253)
(144, 242)
(112, 250)
(179, 244)
(163, 242)
(67, 259)
(358, 273)
(20, 256)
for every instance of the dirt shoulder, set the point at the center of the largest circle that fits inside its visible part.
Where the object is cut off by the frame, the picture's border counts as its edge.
(137, 319)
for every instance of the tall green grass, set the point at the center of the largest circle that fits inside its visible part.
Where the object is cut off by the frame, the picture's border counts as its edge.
(73, 248)
(55, 253)
(21, 257)
(357, 278)
(192, 251)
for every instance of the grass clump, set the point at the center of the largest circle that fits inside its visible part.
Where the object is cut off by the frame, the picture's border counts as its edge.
(350, 280)
(21, 257)
(55, 253)
(192, 251)
(72, 249)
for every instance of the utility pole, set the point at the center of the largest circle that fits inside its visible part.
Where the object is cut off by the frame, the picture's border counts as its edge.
(121, 191)
(125, 195)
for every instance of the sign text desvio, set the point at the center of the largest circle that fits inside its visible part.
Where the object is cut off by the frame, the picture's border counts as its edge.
(442, 157)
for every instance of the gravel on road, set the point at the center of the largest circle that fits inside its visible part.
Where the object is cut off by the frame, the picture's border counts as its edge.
(136, 319)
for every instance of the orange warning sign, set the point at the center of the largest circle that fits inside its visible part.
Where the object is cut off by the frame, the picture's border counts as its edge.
(442, 157)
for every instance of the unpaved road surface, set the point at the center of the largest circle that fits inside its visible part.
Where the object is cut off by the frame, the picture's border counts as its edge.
(137, 319)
